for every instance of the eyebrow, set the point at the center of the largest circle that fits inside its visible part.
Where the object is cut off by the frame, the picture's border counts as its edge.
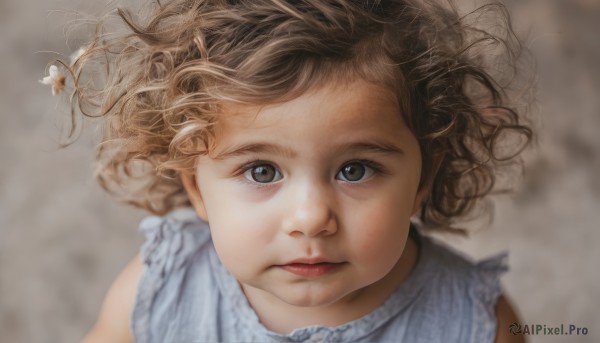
(257, 148)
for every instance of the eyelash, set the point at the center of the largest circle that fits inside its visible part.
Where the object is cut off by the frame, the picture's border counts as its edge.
(377, 168)
(248, 166)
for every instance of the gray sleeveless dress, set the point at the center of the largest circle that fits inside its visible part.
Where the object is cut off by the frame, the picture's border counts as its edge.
(186, 295)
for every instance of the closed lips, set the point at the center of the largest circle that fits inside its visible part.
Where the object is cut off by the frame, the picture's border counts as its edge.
(311, 269)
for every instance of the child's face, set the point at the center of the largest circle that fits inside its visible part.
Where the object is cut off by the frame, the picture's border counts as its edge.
(335, 183)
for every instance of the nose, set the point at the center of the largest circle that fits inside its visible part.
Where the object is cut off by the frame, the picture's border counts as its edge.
(311, 211)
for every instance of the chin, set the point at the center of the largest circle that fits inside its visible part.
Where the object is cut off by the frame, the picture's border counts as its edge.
(311, 296)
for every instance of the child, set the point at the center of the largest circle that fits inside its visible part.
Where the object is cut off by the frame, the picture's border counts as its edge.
(284, 148)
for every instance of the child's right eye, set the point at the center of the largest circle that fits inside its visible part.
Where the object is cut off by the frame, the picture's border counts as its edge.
(262, 173)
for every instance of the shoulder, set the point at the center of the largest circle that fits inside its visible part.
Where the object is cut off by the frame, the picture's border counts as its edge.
(113, 324)
(506, 316)
(480, 279)
(174, 236)
(171, 246)
(177, 284)
(465, 293)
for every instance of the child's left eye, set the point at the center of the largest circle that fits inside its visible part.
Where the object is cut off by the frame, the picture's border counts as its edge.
(358, 170)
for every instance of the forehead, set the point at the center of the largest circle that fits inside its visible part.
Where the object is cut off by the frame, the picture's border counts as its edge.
(354, 103)
(321, 121)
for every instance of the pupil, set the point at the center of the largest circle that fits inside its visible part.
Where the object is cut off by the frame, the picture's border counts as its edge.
(354, 172)
(263, 174)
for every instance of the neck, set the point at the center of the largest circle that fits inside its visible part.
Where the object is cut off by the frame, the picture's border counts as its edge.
(283, 318)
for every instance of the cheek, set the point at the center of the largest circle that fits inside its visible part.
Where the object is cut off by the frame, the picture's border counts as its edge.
(233, 226)
(380, 229)
(241, 232)
(235, 244)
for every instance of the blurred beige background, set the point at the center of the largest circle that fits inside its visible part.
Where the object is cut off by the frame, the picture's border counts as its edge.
(62, 241)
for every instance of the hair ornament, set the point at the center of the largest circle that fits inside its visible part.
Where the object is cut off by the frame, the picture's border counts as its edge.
(55, 78)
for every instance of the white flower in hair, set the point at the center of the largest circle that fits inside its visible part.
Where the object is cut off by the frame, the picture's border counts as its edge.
(55, 78)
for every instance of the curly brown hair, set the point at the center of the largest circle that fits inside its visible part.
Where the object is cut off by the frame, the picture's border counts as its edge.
(161, 81)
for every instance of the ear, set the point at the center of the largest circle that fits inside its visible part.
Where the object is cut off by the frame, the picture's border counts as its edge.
(193, 192)
(425, 189)
(419, 198)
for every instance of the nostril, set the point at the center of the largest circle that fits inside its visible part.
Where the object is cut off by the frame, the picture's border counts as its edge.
(296, 234)
(310, 216)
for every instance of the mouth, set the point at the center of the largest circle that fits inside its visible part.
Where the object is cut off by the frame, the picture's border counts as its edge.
(311, 269)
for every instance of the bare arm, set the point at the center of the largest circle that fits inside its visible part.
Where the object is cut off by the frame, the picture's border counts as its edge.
(506, 315)
(113, 323)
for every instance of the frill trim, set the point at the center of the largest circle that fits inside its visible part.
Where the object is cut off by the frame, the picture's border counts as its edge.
(486, 290)
(167, 244)
(170, 242)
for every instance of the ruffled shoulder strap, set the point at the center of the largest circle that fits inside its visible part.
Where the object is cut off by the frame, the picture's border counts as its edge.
(462, 292)
(170, 242)
(485, 292)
